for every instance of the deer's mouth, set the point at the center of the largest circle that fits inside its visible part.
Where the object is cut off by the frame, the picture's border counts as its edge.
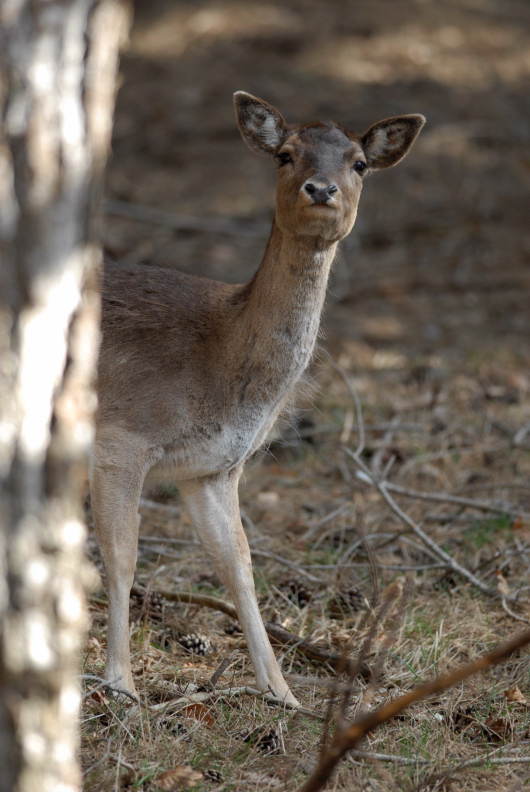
(320, 208)
(319, 205)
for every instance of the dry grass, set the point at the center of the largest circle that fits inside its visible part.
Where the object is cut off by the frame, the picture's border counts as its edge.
(430, 316)
(304, 510)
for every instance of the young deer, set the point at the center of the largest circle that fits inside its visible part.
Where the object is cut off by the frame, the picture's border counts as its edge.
(193, 373)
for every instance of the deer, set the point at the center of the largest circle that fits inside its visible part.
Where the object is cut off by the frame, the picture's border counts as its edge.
(193, 373)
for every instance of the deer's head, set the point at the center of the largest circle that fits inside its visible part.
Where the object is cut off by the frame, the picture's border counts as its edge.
(321, 166)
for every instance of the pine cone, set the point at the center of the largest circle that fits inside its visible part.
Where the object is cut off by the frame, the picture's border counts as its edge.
(196, 643)
(344, 603)
(297, 590)
(151, 604)
(232, 628)
(212, 775)
(267, 739)
(175, 727)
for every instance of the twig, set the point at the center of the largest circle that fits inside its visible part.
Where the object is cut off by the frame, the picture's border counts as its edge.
(366, 476)
(167, 540)
(455, 499)
(362, 565)
(122, 724)
(488, 758)
(520, 435)
(101, 759)
(204, 696)
(378, 618)
(101, 683)
(324, 520)
(174, 705)
(348, 734)
(352, 669)
(381, 757)
(477, 760)
(202, 600)
(354, 396)
(271, 699)
(285, 562)
(117, 778)
(395, 593)
(377, 458)
(221, 668)
(122, 692)
(283, 636)
(110, 683)
(511, 613)
(175, 511)
(383, 487)
(317, 653)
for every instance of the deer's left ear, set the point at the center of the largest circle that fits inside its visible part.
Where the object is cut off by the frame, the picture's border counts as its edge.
(262, 126)
(387, 142)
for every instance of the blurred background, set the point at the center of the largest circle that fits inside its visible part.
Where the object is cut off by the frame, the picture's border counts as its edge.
(436, 270)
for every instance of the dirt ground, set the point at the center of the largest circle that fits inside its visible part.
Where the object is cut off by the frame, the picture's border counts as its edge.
(429, 317)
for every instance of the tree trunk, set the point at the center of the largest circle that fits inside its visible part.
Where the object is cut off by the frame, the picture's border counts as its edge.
(58, 62)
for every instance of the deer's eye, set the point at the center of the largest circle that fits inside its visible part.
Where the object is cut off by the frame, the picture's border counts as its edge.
(284, 158)
(359, 166)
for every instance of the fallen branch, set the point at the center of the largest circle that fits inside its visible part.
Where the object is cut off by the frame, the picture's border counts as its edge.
(476, 761)
(381, 486)
(285, 562)
(319, 654)
(349, 734)
(275, 631)
(108, 685)
(457, 500)
(201, 696)
(384, 488)
(189, 598)
(381, 757)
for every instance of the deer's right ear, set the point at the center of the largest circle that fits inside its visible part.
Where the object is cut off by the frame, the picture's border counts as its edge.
(262, 126)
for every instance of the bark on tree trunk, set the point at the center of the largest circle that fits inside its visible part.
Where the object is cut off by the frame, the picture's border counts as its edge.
(58, 62)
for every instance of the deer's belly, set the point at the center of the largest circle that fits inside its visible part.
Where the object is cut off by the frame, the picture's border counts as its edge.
(211, 450)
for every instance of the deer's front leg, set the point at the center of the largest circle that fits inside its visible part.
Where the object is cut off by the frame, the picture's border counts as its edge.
(214, 508)
(115, 495)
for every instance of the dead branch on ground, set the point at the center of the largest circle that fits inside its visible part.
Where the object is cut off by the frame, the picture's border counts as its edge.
(310, 650)
(380, 483)
(348, 734)
(457, 500)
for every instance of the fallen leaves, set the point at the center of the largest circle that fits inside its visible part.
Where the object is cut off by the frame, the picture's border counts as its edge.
(200, 713)
(513, 695)
(182, 777)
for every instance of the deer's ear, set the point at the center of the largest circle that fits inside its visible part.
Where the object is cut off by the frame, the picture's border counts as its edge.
(262, 126)
(387, 142)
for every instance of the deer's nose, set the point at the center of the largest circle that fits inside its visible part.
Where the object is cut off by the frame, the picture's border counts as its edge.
(319, 190)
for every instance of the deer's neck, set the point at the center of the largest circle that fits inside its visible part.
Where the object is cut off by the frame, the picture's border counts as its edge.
(281, 314)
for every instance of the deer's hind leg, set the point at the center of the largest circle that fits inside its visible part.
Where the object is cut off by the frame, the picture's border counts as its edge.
(115, 487)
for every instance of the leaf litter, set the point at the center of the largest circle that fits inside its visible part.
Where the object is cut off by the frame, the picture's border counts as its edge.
(428, 323)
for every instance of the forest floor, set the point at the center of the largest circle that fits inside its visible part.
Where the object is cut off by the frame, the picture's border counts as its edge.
(427, 324)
